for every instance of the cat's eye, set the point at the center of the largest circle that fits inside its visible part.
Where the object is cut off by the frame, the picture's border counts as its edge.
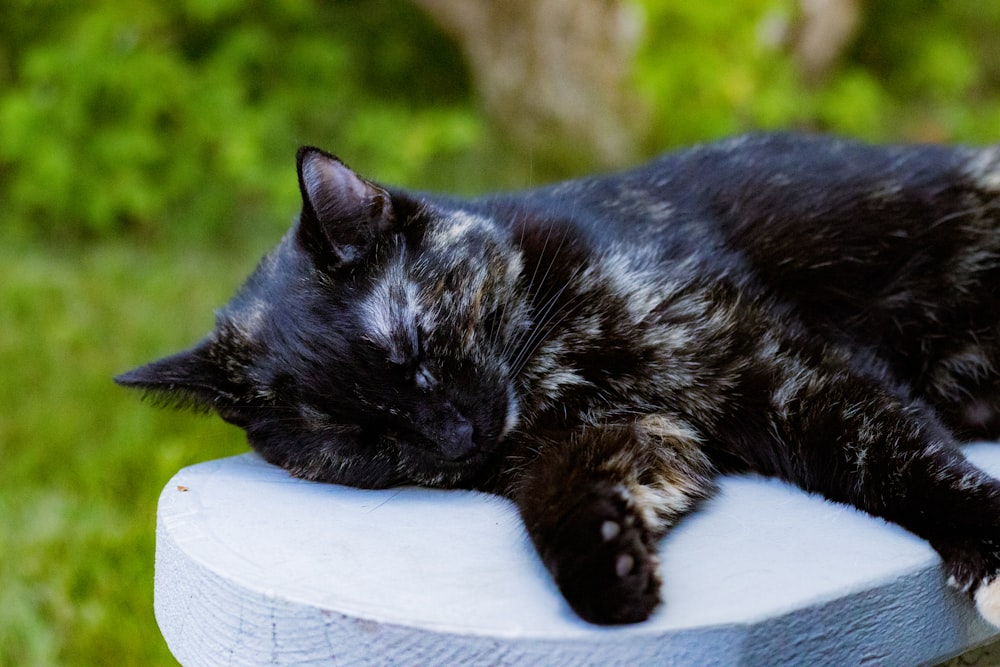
(424, 379)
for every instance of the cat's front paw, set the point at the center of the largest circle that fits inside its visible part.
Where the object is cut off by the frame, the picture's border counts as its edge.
(976, 570)
(987, 597)
(604, 560)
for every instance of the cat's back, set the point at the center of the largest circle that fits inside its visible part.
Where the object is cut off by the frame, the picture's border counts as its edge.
(730, 183)
(783, 201)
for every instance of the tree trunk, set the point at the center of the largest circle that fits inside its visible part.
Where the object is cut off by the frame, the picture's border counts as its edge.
(826, 29)
(552, 74)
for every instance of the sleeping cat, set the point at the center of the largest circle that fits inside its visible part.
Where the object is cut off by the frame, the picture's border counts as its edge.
(599, 350)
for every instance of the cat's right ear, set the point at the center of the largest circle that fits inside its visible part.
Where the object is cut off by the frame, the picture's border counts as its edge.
(342, 213)
(186, 379)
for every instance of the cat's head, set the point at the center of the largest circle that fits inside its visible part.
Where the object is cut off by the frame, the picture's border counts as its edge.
(371, 346)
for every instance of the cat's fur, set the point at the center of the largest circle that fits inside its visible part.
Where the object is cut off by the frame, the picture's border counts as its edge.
(600, 350)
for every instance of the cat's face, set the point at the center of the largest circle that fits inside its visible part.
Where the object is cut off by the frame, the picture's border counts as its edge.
(371, 347)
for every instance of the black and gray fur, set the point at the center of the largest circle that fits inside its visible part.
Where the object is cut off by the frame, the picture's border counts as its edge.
(600, 350)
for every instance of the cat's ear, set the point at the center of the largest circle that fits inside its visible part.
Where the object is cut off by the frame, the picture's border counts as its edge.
(342, 213)
(186, 379)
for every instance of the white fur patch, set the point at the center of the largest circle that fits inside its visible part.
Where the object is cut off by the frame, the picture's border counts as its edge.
(513, 411)
(553, 383)
(249, 320)
(390, 312)
(458, 224)
(985, 168)
(988, 601)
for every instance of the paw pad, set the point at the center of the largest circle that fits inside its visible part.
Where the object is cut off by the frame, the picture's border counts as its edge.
(624, 564)
(604, 560)
(610, 530)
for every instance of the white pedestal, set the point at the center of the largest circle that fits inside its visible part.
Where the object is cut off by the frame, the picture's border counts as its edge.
(255, 567)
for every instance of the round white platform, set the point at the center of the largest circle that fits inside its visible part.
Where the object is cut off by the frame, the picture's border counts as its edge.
(255, 567)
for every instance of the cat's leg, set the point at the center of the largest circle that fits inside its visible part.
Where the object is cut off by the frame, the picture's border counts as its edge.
(963, 378)
(963, 383)
(597, 502)
(854, 440)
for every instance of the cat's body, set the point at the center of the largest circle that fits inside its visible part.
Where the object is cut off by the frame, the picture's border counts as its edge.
(599, 350)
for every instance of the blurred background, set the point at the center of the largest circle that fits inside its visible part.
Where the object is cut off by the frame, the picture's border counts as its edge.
(147, 160)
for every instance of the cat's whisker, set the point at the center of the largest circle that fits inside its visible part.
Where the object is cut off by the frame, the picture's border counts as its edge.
(547, 323)
(542, 311)
(956, 215)
(508, 299)
(534, 279)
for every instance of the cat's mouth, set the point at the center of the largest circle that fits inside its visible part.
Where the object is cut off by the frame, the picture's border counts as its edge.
(461, 436)
(430, 465)
(455, 456)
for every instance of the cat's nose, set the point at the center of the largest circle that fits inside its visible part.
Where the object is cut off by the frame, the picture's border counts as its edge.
(456, 442)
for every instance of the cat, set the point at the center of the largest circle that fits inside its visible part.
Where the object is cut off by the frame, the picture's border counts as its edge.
(600, 350)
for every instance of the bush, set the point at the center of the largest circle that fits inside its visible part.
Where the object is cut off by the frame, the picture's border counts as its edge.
(917, 71)
(180, 119)
(183, 118)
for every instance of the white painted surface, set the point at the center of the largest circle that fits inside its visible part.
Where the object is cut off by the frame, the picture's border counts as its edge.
(255, 567)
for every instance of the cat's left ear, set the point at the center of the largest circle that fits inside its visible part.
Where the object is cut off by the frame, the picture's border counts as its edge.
(187, 379)
(342, 213)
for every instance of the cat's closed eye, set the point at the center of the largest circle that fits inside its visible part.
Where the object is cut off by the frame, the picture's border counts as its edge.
(424, 378)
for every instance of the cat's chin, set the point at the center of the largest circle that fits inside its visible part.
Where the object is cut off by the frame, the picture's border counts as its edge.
(468, 472)
(988, 601)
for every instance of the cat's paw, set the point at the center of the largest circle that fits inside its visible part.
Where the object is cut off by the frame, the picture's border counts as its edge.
(988, 600)
(976, 571)
(604, 560)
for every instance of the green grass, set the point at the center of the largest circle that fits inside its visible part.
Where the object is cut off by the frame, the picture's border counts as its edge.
(82, 461)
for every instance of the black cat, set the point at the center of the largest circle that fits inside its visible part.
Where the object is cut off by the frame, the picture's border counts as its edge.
(600, 350)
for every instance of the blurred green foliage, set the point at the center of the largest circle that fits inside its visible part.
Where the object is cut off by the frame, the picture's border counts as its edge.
(182, 118)
(83, 461)
(179, 119)
(920, 70)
